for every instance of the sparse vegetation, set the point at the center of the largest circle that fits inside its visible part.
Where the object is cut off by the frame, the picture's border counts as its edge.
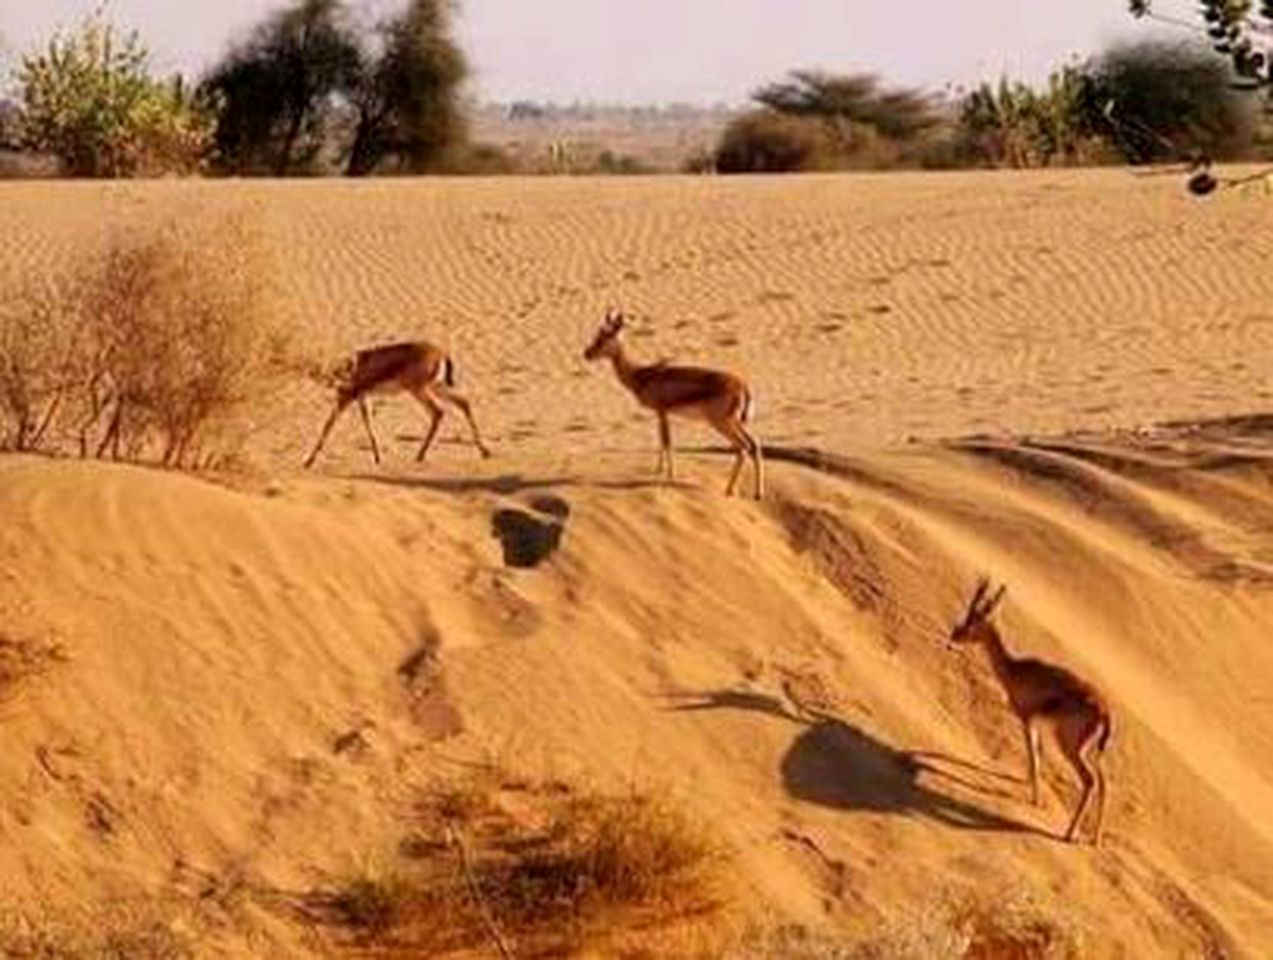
(91, 100)
(526, 863)
(153, 349)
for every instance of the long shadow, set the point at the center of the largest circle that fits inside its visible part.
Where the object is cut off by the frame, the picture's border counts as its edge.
(506, 484)
(838, 765)
(732, 700)
(835, 764)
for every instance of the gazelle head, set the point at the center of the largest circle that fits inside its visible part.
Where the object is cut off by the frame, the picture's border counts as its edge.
(974, 626)
(606, 341)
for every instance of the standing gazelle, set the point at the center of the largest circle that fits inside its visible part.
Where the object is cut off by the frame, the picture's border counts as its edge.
(417, 368)
(1041, 693)
(721, 399)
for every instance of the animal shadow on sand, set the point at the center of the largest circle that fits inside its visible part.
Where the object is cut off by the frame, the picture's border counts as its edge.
(529, 538)
(835, 764)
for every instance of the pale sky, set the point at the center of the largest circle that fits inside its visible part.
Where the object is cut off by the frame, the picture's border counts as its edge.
(647, 51)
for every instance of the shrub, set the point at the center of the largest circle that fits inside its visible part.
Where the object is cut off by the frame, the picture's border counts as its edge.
(40, 332)
(160, 343)
(90, 100)
(1015, 125)
(1169, 98)
(184, 328)
(765, 141)
(540, 865)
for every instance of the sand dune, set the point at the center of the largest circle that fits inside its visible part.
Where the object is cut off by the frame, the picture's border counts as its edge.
(218, 694)
(219, 643)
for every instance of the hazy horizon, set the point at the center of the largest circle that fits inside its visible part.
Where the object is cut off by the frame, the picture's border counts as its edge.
(662, 51)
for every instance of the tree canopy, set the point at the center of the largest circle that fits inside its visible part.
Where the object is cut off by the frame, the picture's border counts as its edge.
(89, 98)
(278, 91)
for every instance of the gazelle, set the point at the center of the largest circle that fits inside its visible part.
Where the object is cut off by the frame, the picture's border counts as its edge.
(721, 399)
(1038, 693)
(417, 368)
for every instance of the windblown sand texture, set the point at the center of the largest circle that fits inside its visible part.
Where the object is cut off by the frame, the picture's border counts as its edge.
(199, 653)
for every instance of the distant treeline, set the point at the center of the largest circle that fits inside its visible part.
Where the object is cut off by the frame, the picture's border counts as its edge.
(310, 90)
(1136, 103)
(314, 90)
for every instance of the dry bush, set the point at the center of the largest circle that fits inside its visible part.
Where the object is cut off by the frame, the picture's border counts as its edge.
(40, 330)
(185, 328)
(542, 867)
(156, 347)
(765, 141)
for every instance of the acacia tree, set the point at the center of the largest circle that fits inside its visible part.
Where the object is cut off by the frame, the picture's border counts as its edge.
(855, 98)
(816, 120)
(90, 100)
(406, 92)
(278, 92)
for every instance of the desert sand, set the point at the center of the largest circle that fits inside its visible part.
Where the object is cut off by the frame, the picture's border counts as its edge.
(1056, 378)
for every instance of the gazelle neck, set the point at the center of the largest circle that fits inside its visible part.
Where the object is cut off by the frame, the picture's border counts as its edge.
(1000, 660)
(623, 367)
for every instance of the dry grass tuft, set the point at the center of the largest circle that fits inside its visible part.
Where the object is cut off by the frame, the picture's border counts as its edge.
(371, 902)
(535, 870)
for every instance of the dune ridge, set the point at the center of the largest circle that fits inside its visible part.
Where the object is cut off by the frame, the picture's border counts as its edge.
(220, 642)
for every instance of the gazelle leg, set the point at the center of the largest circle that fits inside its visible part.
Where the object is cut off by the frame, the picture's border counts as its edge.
(757, 459)
(371, 433)
(460, 403)
(1100, 801)
(435, 420)
(1032, 758)
(327, 428)
(1078, 738)
(665, 447)
(741, 441)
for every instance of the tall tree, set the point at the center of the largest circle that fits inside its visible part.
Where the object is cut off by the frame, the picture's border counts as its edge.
(278, 91)
(407, 92)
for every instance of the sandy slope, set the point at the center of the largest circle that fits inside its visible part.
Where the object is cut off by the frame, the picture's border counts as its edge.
(218, 643)
(240, 685)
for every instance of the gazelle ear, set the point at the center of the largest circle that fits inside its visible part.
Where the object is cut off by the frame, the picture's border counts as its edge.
(995, 600)
(974, 605)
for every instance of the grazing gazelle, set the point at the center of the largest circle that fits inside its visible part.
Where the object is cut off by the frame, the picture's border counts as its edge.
(721, 399)
(1039, 692)
(417, 368)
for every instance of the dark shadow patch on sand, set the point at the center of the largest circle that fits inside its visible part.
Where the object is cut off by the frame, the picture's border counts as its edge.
(529, 538)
